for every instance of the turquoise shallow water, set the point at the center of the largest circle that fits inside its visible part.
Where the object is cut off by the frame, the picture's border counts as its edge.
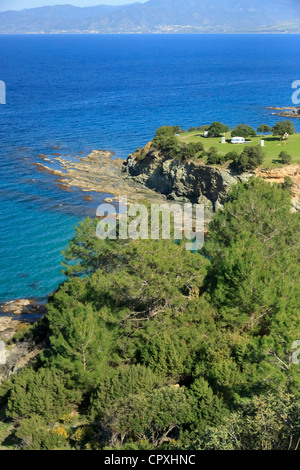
(67, 94)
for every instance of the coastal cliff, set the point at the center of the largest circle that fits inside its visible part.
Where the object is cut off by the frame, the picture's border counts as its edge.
(183, 181)
(196, 182)
(149, 174)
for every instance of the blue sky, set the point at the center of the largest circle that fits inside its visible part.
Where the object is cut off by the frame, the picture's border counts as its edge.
(20, 4)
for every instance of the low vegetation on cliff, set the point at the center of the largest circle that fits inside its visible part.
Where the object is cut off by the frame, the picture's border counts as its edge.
(152, 346)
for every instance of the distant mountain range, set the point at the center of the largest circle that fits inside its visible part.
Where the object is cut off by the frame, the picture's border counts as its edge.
(159, 16)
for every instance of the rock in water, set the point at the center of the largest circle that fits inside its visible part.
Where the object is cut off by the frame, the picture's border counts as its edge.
(289, 111)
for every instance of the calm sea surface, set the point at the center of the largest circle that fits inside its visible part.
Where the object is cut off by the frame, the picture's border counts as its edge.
(71, 94)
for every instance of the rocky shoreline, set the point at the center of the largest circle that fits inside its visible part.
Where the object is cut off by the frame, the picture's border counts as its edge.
(146, 175)
(97, 173)
(23, 307)
(289, 111)
(18, 314)
(157, 179)
(100, 173)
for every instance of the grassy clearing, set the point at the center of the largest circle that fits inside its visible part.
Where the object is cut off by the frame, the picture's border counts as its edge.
(273, 146)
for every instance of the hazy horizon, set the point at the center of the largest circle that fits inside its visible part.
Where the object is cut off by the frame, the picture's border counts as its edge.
(6, 5)
(149, 17)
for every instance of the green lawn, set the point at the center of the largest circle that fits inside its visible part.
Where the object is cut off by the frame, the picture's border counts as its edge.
(273, 146)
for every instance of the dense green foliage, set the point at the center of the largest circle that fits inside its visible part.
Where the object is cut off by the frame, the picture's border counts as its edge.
(287, 184)
(285, 158)
(243, 130)
(152, 346)
(203, 128)
(166, 142)
(283, 128)
(217, 128)
(264, 129)
(251, 158)
(268, 422)
(214, 157)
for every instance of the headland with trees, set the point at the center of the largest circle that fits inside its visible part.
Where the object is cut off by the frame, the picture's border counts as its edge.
(211, 144)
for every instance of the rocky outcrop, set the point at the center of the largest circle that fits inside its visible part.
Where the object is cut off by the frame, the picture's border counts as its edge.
(290, 111)
(183, 181)
(17, 356)
(14, 317)
(198, 183)
(23, 307)
(147, 175)
(100, 173)
(278, 175)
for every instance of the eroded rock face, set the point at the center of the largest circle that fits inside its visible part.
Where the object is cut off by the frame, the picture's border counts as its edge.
(198, 183)
(184, 182)
(14, 317)
(278, 175)
(8, 327)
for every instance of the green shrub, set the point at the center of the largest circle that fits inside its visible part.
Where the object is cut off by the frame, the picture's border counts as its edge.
(217, 128)
(151, 416)
(232, 155)
(243, 130)
(264, 129)
(251, 158)
(285, 158)
(203, 128)
(284, 127)
(214, 158)
(120, 383)
(41, 393)
(288, 183)
(32, 432)
(188, 151)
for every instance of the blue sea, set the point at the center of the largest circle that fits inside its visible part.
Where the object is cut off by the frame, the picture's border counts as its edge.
(71, 94)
